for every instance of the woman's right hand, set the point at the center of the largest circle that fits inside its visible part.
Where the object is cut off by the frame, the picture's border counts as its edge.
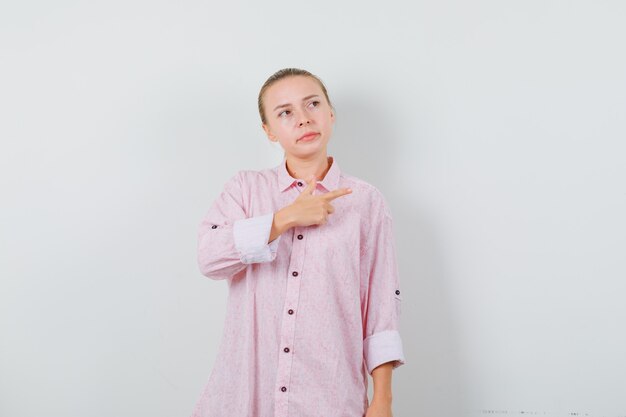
(308, 209)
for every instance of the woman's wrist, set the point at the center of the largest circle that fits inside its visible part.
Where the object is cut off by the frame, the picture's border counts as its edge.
(282, 219)
(382, 398)
(280, 224)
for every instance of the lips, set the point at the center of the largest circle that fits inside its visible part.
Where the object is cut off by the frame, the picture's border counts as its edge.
(309, 135)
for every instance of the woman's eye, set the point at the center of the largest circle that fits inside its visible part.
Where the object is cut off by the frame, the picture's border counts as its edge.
(283, 112)
(316, 103)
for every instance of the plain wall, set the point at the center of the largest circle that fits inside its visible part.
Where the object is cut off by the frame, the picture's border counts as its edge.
(494, 128)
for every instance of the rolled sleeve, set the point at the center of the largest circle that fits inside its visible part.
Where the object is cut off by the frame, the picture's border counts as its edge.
(251, 236)
(382, 341)
(383, 347)
(229, 240)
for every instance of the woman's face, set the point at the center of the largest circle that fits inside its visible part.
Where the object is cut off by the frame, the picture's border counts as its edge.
(296, 106)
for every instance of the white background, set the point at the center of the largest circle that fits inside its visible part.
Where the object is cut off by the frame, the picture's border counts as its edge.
(496, 130)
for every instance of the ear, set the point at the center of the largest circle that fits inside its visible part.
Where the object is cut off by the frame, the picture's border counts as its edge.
(332, 116)
(268, 132)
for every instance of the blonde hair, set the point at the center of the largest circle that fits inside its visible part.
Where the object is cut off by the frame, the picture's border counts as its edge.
(284, 73)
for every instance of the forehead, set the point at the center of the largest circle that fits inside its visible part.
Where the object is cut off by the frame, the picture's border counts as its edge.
(291, 90)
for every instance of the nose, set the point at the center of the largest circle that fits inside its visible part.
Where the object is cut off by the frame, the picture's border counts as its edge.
(304, 119)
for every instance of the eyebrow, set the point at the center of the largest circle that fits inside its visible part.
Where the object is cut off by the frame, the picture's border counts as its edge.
(289, 104)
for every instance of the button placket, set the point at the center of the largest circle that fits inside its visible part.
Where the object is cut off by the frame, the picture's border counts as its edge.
(294, 277)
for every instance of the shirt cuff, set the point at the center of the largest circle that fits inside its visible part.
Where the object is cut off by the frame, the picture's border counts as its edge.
(251, 236)
(383, 347)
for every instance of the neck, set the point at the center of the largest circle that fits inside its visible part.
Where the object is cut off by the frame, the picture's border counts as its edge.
(301, 169)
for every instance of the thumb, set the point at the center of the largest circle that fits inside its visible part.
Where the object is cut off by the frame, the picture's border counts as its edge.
(310, 187)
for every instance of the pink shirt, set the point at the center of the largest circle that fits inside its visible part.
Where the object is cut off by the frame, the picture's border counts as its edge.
(308, 314)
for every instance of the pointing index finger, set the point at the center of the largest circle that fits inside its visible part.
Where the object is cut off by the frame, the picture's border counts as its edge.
(331, 195)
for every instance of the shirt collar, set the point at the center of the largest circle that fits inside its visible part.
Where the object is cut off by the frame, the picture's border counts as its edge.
(330, 181)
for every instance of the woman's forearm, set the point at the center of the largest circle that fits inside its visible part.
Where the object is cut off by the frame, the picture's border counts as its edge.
(382, 382)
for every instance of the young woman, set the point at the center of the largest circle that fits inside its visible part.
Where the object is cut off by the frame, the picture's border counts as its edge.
(308, 254)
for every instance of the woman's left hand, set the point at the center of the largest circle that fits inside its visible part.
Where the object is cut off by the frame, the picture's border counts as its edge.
(379, 409)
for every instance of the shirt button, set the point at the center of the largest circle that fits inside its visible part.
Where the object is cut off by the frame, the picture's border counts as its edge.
(286, 350)
(214, 226)
(300, 237)
(398, 292)
(283, 389)
(300, 183)
(290, 311)
(294, 273)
